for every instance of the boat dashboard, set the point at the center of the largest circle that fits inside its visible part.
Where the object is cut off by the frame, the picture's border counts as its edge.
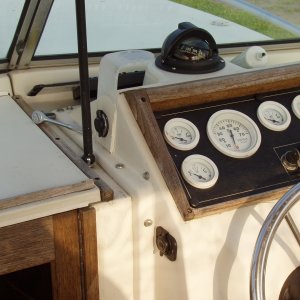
(223, 143)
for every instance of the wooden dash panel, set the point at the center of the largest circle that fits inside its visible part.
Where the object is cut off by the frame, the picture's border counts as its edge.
(141, 108)
(144, 102)
(226, 87)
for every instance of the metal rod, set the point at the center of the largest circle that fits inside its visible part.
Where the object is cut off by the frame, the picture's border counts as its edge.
(293, 227)
(88, 155)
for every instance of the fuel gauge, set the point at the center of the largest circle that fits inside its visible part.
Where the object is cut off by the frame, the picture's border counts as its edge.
(181, 134)
(274, 116)
(296, 106)
(199, 171)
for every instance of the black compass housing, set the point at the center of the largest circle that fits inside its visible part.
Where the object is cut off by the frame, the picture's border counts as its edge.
(189, 50)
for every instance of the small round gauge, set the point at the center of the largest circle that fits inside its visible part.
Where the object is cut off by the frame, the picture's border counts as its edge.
(233, 133)
(181, 134)
(199, 171)
(296, 106)
(274, 116)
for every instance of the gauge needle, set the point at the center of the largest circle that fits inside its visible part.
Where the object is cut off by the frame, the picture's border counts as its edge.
(232, 136)
(197, 175)
(272, 120)
(179, 138)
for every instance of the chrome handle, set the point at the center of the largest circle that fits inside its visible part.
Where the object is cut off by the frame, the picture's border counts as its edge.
(39, 117)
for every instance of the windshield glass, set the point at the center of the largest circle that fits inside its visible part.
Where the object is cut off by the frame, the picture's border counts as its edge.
(10, 12)
(144, 24)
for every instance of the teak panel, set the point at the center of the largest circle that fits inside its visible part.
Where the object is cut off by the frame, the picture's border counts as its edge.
(87, 221)
(226, 87)
(144, 102)
(141, 109)
(26, 245)
(75, 269)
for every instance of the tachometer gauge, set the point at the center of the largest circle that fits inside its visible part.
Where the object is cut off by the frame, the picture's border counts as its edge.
(233, 133)
(199, 171)
(181, 134)
(296, 106)
(274, 116)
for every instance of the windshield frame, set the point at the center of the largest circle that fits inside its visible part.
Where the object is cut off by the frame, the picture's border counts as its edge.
(35, 14)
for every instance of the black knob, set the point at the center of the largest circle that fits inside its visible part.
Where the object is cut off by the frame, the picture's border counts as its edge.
(101, 123)
(291, 159)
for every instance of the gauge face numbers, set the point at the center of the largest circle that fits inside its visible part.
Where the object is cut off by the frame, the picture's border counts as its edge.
(274, 116)
(233, 133)
(199, 171)
(181, 134)
(296, 106)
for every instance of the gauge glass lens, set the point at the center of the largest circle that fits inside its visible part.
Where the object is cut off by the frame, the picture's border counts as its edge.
(273, 116)
(181, 134)
(296, 106)
(233, 133)
(199, 171)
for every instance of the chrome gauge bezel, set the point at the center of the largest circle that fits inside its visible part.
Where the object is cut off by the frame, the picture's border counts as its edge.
(186, 125)
(199, 171)
(296, 106)
(234, 116)
(277, 108)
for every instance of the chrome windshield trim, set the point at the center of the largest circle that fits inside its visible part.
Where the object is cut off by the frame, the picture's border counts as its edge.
(30, 33)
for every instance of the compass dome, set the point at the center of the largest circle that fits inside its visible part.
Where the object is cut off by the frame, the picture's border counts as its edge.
(189, 50)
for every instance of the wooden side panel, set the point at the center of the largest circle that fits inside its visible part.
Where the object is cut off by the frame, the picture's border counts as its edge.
(140, 106)
(66, 267)
(26, 245)
(75, 269)
(87, 218)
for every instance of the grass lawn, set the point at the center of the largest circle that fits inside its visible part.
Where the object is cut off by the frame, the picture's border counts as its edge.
(239, 16)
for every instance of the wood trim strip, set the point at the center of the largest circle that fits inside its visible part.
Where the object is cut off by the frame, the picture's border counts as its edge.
(66, 283)
(141, 109)
(226, 87)
(87, 221)
(26, 245)
(46, 194)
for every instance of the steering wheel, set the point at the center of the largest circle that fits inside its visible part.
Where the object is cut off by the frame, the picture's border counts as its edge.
(265, 238)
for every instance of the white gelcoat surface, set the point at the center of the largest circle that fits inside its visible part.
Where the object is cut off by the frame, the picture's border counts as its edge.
(29, 161)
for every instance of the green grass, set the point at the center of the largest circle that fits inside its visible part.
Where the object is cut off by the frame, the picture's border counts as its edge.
(240, 17)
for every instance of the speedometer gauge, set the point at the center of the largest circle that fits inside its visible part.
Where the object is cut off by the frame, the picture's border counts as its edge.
(233, 133)
(274, 116)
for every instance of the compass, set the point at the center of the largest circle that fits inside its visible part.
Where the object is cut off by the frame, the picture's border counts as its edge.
(199, 171)
(274, 116)
(181, 134)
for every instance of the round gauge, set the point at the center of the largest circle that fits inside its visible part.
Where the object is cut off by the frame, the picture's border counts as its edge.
(233, 133)
(296, 106)
(181, 134)
(199, 171)
(274, 116)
